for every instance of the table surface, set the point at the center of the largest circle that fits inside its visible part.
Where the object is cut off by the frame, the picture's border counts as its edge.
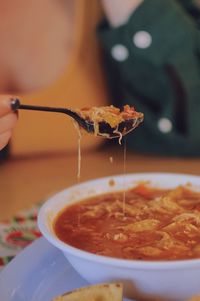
(28, 181)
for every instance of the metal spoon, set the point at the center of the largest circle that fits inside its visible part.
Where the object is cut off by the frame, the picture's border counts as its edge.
(104, 128)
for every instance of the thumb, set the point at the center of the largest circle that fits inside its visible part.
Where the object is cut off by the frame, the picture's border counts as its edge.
(5, 104)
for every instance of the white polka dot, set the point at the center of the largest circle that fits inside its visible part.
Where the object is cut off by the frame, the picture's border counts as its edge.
(142, 39)
(165, 125)
(119, 52)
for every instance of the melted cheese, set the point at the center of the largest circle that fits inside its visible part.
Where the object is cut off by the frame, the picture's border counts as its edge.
(79, 148)
(156, 224)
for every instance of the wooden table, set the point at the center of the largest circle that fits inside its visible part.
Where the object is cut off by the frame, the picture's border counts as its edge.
(27, 181)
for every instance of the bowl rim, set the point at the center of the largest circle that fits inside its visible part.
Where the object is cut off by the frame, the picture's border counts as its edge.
(106, 260)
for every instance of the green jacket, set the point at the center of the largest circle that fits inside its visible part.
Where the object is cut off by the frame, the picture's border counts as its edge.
(153, 63)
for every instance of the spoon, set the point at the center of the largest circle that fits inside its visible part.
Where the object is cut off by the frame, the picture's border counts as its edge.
(104, 128)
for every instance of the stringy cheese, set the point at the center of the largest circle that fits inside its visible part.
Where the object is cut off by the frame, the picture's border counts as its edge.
(112, 116)
(119, 134)
(79, 148)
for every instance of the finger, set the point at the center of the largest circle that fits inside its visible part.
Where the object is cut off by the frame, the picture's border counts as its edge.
(8, 122)
(4, 139)
(5, 104)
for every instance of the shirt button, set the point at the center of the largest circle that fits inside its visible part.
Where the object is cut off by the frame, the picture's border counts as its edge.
(119, 52)
(142, 39)
(165, 125)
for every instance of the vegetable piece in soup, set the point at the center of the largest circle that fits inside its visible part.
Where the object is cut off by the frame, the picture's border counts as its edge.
(156, 224)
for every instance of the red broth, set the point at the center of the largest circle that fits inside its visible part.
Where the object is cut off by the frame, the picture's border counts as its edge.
(157, 224)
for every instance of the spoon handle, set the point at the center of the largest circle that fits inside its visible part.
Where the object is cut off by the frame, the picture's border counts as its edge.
(15, 105)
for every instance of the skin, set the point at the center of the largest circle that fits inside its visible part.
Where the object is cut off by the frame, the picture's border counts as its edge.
(118, 11)
(8, 120)
(36, 37)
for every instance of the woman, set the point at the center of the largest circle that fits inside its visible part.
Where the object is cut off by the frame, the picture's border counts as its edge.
(151, 56)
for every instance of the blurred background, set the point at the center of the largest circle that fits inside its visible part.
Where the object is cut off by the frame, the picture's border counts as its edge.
(50, 65)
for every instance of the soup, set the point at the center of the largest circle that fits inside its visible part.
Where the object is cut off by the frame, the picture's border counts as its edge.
(154, 224)
(109, 114)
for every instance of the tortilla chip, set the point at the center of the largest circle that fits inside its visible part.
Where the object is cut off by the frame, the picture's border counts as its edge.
(194, 298)
(99, 292)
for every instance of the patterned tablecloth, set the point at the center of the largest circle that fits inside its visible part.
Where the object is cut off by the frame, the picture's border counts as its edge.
(17, 233)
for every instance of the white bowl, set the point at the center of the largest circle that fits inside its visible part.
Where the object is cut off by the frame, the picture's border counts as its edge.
(170, 280)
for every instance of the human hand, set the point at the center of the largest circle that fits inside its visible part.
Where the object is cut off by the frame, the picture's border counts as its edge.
(8, 119)
(118, 11)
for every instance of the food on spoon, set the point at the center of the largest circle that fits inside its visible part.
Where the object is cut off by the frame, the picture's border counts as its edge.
(110, 115)
(99, 292)
(149, 224)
